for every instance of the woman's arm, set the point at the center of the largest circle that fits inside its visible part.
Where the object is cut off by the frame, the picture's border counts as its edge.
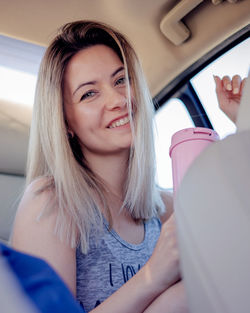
(173, 300)
(38, 238)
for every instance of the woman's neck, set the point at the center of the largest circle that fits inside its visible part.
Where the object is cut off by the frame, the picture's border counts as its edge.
(112, 169)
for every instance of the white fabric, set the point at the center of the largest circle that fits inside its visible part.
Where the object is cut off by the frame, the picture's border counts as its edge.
(243, 120)
(213, 220)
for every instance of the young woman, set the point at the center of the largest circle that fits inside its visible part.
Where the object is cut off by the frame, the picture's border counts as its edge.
(91, 207)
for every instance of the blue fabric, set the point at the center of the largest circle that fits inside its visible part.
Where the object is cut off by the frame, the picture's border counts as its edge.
(40, 282)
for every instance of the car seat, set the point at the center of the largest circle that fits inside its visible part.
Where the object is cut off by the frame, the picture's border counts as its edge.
(213, 222)
(13, 153)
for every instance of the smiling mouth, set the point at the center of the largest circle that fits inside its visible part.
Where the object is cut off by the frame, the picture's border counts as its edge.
(120, 122)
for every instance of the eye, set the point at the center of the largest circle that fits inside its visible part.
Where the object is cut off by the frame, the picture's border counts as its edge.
(120, 81)
(88, 94)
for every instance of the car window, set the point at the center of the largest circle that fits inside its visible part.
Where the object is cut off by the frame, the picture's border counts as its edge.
(173, 116)
(235, 61)
(19, 64)
(21, 82)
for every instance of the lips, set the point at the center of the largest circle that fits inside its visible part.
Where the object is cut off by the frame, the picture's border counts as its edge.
(119, 122)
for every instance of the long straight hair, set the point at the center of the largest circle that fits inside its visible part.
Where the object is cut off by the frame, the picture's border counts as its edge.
(57, 157)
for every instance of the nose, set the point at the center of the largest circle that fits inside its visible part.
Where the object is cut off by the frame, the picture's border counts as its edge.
(115, 99)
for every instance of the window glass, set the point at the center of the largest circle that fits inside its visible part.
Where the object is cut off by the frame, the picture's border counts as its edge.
(235, 61)
(17, 86)
(173, 115)
(170, 118)
(19, 64)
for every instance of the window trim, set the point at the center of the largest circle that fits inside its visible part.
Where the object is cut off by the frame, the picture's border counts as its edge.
(190, 99)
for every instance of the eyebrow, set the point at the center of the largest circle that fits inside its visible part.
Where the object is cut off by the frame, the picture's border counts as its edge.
(94, 81)
(117, 71)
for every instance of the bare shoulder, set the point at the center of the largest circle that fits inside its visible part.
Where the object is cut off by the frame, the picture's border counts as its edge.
(29, 229)
(32, 203)
(167, 198)
(35, 235)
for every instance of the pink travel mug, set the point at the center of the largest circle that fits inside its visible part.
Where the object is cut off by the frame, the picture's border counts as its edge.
(186, 145)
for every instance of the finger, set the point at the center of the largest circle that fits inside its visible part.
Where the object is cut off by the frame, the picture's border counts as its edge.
(226, 81)
(217, 81)
(243, 83)
(236, 82)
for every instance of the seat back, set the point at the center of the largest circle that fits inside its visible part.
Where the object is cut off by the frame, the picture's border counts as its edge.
(213, 221)
(13, 153)
(11, 188)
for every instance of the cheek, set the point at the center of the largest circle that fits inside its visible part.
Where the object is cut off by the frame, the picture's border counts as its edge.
(83, 119)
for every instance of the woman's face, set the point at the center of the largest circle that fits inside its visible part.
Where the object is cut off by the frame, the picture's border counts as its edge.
(95, 101)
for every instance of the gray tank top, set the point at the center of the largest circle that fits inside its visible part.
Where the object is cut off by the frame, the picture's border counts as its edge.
(111, 262)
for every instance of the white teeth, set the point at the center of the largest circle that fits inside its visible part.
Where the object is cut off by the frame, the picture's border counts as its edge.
(120, 122)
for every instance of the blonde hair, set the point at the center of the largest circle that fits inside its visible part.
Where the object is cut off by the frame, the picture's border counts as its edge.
(54, 155)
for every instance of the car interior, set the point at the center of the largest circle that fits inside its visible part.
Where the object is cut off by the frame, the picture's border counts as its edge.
(181, 45)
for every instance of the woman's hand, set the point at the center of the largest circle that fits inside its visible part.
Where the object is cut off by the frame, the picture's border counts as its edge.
(229, 92)
(163, 265)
